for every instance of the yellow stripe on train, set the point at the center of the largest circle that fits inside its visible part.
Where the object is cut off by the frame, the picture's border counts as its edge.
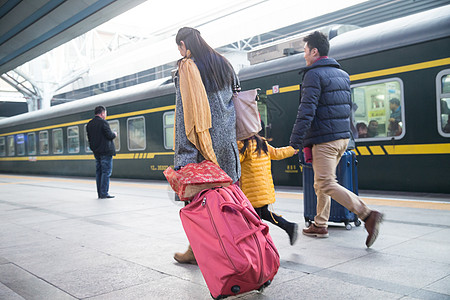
(418, 149)
(138, 155)
(390, 71)
(110, 117)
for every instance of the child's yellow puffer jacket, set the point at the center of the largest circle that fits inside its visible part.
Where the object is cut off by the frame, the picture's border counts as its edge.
(256, 176)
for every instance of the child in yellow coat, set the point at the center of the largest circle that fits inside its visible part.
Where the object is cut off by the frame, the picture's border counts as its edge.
(256, 179)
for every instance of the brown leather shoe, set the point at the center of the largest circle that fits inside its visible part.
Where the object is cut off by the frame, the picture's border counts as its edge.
(186, 257)
(372, 224)
(313, 230)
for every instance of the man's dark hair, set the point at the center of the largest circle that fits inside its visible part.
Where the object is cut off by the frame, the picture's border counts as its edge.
(99, 109)
(318, 40)
(395, 101)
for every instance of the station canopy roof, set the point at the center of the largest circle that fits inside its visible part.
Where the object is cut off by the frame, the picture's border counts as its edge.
(29, 28)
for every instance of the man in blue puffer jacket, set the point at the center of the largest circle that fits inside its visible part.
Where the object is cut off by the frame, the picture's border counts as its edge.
(323, 123)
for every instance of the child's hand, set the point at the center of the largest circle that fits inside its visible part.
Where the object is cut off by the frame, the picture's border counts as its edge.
(296, 151)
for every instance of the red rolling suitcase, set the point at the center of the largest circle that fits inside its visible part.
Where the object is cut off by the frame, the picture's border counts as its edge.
(231, 244)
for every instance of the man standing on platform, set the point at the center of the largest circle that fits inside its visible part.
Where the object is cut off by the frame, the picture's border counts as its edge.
(323, 123)
(101, 143)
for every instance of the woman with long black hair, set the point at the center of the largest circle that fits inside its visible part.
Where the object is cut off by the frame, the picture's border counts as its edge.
(205, 119)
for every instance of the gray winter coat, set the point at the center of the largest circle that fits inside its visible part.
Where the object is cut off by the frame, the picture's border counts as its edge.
(223, 133)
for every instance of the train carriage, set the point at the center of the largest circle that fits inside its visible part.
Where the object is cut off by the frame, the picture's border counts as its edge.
(405, 59)
(54, 141)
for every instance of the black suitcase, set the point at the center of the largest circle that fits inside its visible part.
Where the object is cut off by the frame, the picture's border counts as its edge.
(347, 176)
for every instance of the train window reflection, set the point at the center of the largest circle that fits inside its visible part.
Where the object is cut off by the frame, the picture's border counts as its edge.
(10, 146)
(114, 125)
(58, 143)
(73, 139)
(136, 133)
(168, 120)
(86, 140)
(443, 102)
(31, 143)
(43, 142)
(20, 141)
(2, 146)
(379, 110)
(262, 108)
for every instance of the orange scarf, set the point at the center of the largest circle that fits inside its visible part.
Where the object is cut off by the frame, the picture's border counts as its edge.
(197, 113)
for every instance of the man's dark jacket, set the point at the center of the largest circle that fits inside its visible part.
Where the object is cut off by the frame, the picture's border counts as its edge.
(100, 137)
(325, 106)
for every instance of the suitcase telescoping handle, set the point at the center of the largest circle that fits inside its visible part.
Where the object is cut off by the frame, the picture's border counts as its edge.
(259, 226)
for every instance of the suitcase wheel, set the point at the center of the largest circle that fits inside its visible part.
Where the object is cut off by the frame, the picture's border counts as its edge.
(266, 284)
(357, 222)
(307, 223)
(235, 289)
(348, 226)
(219, 297)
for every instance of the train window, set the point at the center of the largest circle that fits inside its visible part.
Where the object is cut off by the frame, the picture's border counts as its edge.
(443, 102)
(10, 146)
(73, 139)
(262, 108)
(20, 141)
(168, 122)
(58, 142)
(114, 125)
(2, 146)
(43, 142)
(136, 133)
(378, 109)
(86, 140)
(31, 144)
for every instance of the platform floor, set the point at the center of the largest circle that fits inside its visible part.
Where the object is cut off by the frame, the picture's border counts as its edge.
(58, 241)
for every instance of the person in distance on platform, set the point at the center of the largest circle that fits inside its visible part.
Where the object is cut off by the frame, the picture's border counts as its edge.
(256, 180)
(205, 119)
(101, 143)
(323, 122)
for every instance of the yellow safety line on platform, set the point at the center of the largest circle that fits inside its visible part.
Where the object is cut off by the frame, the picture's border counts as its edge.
(435, 205)
(383, 202)
(407, 203)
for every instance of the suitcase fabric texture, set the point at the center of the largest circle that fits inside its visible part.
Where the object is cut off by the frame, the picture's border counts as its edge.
(195, 177)
(231, 244)
(347, 176)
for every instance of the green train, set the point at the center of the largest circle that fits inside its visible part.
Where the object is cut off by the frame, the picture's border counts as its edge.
(407, 59)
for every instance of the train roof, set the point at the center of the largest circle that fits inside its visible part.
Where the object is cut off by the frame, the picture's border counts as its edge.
(140, 91)
(425, 26)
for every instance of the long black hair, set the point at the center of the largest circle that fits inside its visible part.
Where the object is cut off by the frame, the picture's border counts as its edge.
(261, 144)
(215, 70)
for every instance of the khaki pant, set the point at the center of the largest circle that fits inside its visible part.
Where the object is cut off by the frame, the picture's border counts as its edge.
(326, 157)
